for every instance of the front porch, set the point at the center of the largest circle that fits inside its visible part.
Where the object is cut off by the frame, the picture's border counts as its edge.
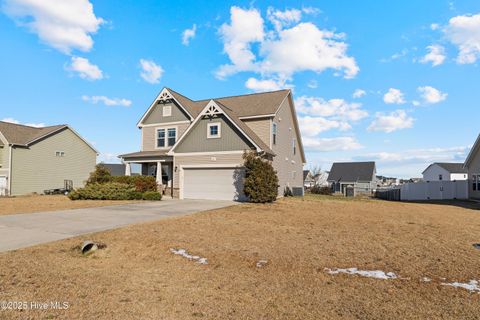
(152, 163)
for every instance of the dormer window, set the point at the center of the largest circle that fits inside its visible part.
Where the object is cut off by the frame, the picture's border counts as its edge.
(214, 130)
(167, 110)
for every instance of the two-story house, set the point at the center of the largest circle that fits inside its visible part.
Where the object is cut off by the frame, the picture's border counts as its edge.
(195, 148)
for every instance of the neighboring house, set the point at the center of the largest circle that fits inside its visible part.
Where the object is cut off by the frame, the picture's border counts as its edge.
(115, 169)
(383, 181)
(37, 159)
(442, 171)
(472, 164)
(360, 176)
(195, 148)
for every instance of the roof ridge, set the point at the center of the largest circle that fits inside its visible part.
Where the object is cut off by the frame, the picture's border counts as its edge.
(233, 96)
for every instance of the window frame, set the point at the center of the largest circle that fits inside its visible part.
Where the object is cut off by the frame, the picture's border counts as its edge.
(168, 136)
(274, 133)
(169, 108)
(294, 146)
(60, 154)
(166, 143)
(474, 182)
(219, 130)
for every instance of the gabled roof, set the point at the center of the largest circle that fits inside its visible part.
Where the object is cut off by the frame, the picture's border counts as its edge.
(450, 167)
(472, 152)
(248, 105)
(352, 171)
(21, 135)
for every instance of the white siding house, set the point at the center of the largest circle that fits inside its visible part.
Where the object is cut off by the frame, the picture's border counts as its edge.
(445, 172)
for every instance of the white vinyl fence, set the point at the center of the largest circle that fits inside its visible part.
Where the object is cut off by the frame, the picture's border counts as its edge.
(434, 190)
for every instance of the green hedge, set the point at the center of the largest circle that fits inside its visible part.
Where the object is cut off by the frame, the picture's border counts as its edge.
(140, 183)
(261, 180)
(112, 191)
(321, 190)
(152, 196)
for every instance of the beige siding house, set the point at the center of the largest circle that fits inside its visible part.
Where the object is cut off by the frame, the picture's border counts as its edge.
(195, 148)
(33, 160)
(472, 164)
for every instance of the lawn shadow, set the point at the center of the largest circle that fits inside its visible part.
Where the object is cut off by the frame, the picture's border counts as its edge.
(466, 204)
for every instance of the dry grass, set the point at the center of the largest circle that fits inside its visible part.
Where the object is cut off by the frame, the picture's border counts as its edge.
(136, 277)
(39, 203)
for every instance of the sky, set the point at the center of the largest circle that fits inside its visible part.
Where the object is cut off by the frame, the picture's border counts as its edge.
(396, 83)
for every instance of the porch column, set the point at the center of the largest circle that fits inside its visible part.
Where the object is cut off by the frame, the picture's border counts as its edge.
(159, 172)
(128, 169)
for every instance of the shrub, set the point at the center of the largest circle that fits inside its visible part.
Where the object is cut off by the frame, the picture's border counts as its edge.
(261, 180)
(99, 175)
(152, 196)
(316, 189)
(140, 183)
(106, 191)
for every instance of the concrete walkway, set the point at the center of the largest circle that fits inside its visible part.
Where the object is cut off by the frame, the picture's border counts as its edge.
(24, 230)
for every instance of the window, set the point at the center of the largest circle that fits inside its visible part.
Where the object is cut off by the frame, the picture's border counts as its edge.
(474, 182)
(440, 177)
(161, 138)
(167, 110)
(214, 130)
(59, 154)
(274, 133)
(172, 136)
(294, 146)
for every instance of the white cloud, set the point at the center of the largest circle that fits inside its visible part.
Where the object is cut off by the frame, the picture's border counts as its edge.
(434, 26)
(108, 157)
(464, 32)
(107, 101)
(281, 19)
(393, 96)
(12, 120)
(312, 126)
(430, 95)
(395, 56)
(85, 69)
(336, 108)
(63, 25)
(189, 34)
(436, 55)
(358, 93)
(331, 144)
(393, 121)
(151, 72)
(312, 84)
(281, 51)
(264, 85)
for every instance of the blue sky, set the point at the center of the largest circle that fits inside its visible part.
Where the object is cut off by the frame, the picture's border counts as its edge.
(97, 65)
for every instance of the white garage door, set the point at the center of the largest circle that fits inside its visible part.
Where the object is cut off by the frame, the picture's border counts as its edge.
(213, 183)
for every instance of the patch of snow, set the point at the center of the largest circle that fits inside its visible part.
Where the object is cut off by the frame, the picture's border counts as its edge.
(378, 274)
(426, 279)
(472, 286)
(185, 254)
(262, 263)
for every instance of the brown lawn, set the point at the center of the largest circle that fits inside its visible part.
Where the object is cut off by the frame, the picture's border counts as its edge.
(39, 203)
(136, 277)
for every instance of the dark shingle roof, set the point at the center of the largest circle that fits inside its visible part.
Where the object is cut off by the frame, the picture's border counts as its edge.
(115, 169)
(352, 171)
(18, 134)
(452, 167)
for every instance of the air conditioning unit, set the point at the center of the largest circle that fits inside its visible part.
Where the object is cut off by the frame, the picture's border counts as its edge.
(298, 191)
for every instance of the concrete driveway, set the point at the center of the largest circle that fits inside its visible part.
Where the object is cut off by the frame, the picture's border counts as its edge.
(25, 230)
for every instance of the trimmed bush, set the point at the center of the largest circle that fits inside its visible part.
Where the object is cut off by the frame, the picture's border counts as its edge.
(140, 183)
(106, 191)
(152, 196)
(261, 180)
(321, 190)
(100, 175)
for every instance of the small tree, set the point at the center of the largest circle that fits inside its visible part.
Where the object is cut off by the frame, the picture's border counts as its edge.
(100, 175)
(261, 180)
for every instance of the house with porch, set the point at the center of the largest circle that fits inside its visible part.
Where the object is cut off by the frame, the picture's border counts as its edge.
(194, 147)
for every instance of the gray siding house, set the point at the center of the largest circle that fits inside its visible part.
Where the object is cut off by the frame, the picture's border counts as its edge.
(472, 164)
(360, 176)
(36, 159)
(195, 148)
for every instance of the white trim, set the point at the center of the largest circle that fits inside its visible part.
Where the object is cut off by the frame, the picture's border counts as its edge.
(208, 109)
(10, 172)
(164, 94)
(270, 115)
(167, 146)
(219, 134)
(471, 153)
(165, 123)
(164, 108)
(143, 161)
(181, 173)
(209, 153)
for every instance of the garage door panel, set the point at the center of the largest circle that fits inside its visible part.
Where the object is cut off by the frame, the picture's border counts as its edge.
(213, 183)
